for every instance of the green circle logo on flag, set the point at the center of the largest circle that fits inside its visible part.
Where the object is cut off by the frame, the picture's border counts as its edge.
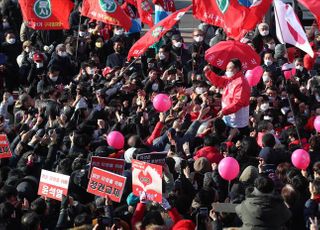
(157, 31)
(108, 6)
(42, 9)
(223, 5)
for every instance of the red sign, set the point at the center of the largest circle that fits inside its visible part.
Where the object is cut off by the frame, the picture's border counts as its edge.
(147, 178)
(106, 184)
(109, 164)
(5, 151)
(46, 14)
(53, 185)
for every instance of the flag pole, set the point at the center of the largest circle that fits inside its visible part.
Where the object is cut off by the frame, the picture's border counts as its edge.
(286, 86)
(77, 45)
(131, 63)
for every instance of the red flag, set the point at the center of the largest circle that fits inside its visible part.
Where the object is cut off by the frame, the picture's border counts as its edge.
(167, 5)
(128, 8)
(230, 15)
(156, 32)
(314, 7)
(107, 11)
(46, 14)
(145, 11)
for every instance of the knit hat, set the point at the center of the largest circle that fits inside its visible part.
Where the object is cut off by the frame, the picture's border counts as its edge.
(201, 165)
(249, 174)
(279, 50)
(132, 200)
(184, 225)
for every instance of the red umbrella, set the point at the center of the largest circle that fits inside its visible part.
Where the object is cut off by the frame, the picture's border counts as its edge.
(220, 54)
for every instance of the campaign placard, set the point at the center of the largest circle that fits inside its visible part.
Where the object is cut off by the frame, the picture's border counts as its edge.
(53, 185)
(108, 164)
(106, 184)
(147, 178)
(5, 151)
(158, 158)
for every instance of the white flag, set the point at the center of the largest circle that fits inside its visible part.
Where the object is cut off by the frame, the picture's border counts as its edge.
(289, 29)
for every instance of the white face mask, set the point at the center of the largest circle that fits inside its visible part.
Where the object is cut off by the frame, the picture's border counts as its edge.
(272, 131)
(118, 32)
(177, 44)
(162, 56)
(267, 62)
(155, 87)
(198, 38)
(229, 74)
(82, 33)
(200, 90)
(5, 25)
(299, 67)
(39, 64)
(62, 53)
(291, 120)
(11, 40)
(272, 46)
(264, 33)
(264, 107)
(54, 78)
(91, 71)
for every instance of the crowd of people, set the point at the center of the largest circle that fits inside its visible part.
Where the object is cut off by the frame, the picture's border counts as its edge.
(64, 91)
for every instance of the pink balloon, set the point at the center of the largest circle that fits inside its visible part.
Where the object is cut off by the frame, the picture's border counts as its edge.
(316, 123)
(254, 76)
(115, 139)
(258, 71)
(300, 159)
(162, 102)
(228, 168)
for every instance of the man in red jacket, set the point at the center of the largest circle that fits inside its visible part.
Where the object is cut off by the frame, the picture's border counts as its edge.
(236, 96)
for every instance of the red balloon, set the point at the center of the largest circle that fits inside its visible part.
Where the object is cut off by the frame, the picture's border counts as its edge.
(162, 102)
(228, 168)
(300, 159)
(253, 76)
(115, 139)
(316, 123)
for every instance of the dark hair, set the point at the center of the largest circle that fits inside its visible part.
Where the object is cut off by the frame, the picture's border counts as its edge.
(237, 63)
(316, 185)
(289, 194)
(264, 184)
(152, 217)
(281, 171)
(165, 48)
(268, 140)
(316, 167)
(219, 126)
(82, 219)
(210, 140)
(30, 221)
(39, 206)
(6, 210)
(262, 125)
(249, 147)
(314, 142)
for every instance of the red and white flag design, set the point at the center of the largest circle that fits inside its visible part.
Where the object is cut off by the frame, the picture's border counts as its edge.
(289, 29)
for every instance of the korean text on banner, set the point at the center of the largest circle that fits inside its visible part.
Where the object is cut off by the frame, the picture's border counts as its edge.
(53, 185)
(147, 178)
(106, 184)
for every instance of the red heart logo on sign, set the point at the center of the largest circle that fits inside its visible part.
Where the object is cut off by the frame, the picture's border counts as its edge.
(145, 178)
